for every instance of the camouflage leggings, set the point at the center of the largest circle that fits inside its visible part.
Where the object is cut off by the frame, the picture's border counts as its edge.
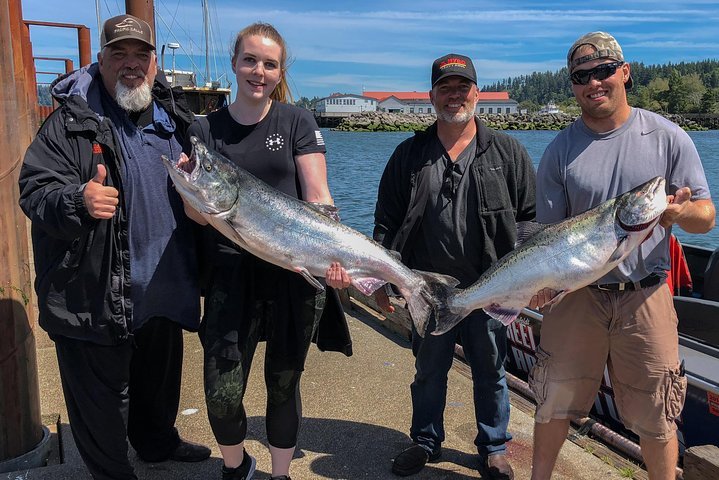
(287, 321)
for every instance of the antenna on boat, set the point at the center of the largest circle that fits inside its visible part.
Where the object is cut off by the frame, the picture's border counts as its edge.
(99, 22)
(206, 22)
(173, 47)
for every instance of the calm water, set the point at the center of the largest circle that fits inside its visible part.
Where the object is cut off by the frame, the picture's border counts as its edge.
(355, 161)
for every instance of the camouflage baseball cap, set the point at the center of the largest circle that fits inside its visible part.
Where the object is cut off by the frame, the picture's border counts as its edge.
(605, 46)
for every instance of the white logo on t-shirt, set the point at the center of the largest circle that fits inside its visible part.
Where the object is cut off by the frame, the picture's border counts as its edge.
(318, 136)
(274, 142)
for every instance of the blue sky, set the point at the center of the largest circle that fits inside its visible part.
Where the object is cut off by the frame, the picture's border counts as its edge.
(348, 46)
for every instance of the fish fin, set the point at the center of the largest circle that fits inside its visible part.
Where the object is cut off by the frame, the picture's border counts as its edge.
(367, 285)
(620, 251)
(236, 237)
(438, 278)
(526, 230)
(329, 211)
(395, 254)
(308, 276)
(431, 297)
(446, 319)
(506, 315)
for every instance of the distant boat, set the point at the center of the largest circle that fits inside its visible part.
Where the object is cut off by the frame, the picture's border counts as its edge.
(201, 99)
(548, 109)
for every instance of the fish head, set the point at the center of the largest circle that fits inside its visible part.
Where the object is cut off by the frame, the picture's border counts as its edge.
(639, 209)
(205, 179)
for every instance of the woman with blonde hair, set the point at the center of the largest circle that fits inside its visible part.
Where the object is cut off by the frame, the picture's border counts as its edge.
(246, 298)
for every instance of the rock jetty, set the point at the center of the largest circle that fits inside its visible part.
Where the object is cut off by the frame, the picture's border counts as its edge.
(404, 122)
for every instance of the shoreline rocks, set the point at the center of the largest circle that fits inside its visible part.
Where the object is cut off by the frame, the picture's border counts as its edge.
(406, 122)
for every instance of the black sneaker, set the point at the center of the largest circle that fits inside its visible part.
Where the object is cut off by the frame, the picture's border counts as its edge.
(413, 459)
(243, 472)
(190, 452)
(281, 477)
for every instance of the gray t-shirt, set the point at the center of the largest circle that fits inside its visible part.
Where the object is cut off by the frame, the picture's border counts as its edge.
(580, 169)
(449, 239)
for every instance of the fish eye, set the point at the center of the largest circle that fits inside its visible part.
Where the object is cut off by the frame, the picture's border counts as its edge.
(207, 166)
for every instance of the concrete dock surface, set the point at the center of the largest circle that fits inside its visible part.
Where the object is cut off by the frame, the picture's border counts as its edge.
(356, 414)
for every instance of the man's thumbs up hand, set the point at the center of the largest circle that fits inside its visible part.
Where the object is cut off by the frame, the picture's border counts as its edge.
(101, 201)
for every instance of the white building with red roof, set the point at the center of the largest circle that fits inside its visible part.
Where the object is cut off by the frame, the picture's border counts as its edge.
(418, 102)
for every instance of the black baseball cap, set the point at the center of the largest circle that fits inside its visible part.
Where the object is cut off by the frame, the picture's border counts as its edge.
(126, 27)
(453, 64)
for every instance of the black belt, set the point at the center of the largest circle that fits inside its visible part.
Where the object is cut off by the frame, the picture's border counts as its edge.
(646, 282)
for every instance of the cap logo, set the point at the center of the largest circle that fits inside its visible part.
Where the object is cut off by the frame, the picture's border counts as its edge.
(129, 25)
(453, 62)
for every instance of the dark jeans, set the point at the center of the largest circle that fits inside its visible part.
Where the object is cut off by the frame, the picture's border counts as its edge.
(485, 348)
(113, 392)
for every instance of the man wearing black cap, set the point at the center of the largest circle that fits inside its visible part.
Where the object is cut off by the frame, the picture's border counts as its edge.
(114, 252)
(626, 321)
(448, 201)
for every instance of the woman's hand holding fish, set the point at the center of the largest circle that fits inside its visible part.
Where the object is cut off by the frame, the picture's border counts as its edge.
(337, 277)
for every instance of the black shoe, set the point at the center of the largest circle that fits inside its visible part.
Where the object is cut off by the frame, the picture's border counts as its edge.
(243, 472)
(413, 459)
(281, 477)
(190, 452)
(496, 467)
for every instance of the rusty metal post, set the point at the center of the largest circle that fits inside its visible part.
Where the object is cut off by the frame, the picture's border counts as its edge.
(26, 101)
(21, 428)
(28, 74)
(85, 45)
(144, 9)
(68, 66)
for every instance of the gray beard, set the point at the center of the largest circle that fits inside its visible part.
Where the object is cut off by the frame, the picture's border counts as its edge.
(459, 117)
(133, 99)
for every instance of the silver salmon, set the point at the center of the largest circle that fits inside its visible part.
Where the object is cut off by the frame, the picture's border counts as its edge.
(296, 235)
(564, 256)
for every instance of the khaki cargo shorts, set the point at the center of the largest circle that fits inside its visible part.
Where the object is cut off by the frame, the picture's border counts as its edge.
(633, 333)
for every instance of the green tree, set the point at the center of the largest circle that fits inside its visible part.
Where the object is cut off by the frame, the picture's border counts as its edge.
(529, 106)
(710, 101)
(654, 96)
(695, 90)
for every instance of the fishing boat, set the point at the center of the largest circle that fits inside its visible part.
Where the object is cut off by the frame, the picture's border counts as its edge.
(697, 306)
(200, 99)
(205, 96)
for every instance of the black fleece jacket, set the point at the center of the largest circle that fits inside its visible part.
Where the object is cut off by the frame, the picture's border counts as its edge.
(505, 180)
(82, 265)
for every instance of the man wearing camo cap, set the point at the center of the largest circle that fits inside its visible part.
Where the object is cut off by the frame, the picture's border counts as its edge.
(626, 320)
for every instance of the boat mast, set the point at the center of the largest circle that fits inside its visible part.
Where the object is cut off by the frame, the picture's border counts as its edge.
(206, 21)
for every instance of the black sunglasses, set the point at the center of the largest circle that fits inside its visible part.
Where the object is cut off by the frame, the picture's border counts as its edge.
(600, 72)
(449, 185)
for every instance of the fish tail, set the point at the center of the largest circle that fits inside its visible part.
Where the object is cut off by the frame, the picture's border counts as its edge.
(446, 318)
(431, 297)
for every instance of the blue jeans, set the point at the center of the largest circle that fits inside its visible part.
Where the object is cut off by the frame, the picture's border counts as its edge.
(485, 348)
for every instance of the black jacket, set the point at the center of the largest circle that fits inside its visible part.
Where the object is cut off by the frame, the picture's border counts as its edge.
(504, 176)
(82, 265)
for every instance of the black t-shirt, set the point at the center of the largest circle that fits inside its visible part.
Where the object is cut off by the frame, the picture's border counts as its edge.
(266, 149)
